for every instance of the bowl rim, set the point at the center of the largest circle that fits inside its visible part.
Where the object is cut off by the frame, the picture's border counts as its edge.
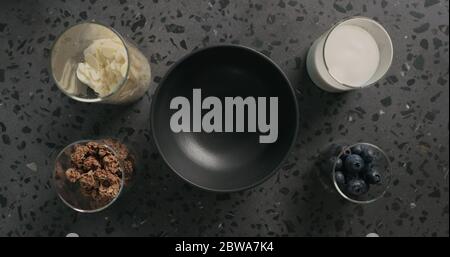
(189, 55)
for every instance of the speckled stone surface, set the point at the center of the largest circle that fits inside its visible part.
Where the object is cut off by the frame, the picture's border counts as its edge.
(407, 114)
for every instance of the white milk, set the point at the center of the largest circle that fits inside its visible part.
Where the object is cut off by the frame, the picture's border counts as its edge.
(351, 55)
(354, 54)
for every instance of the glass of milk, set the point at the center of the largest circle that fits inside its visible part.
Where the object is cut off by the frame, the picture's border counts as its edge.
(92, 62)
(353, 54)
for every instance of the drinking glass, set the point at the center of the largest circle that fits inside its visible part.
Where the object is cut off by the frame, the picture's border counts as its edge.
(68, 51)
(319, 71)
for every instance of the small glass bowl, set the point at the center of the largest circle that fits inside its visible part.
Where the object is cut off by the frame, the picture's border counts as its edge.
(69, 192)
(327, 171)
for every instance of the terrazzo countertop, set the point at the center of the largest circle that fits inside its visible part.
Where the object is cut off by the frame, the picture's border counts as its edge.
(406, 113)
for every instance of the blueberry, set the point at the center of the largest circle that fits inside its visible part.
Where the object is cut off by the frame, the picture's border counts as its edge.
(357, 149)
(368, 154)
(357, 187)
(354, 164)
(373, 177)
(335, 149)
(326, 166)
(349, 175)
(340, 178)
(346, 152)
(367, 167)
(338, 163)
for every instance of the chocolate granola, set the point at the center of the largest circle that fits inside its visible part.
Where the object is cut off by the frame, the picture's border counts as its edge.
(125, 157)
(96, 168)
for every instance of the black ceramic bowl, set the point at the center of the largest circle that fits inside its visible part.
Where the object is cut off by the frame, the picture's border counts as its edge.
(224, 161)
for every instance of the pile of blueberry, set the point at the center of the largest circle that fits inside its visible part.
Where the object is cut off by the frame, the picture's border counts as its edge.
(355, 170)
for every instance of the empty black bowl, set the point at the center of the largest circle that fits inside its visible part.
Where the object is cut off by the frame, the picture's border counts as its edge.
(224, 161)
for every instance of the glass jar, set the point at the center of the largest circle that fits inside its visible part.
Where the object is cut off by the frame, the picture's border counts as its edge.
(93, 63)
